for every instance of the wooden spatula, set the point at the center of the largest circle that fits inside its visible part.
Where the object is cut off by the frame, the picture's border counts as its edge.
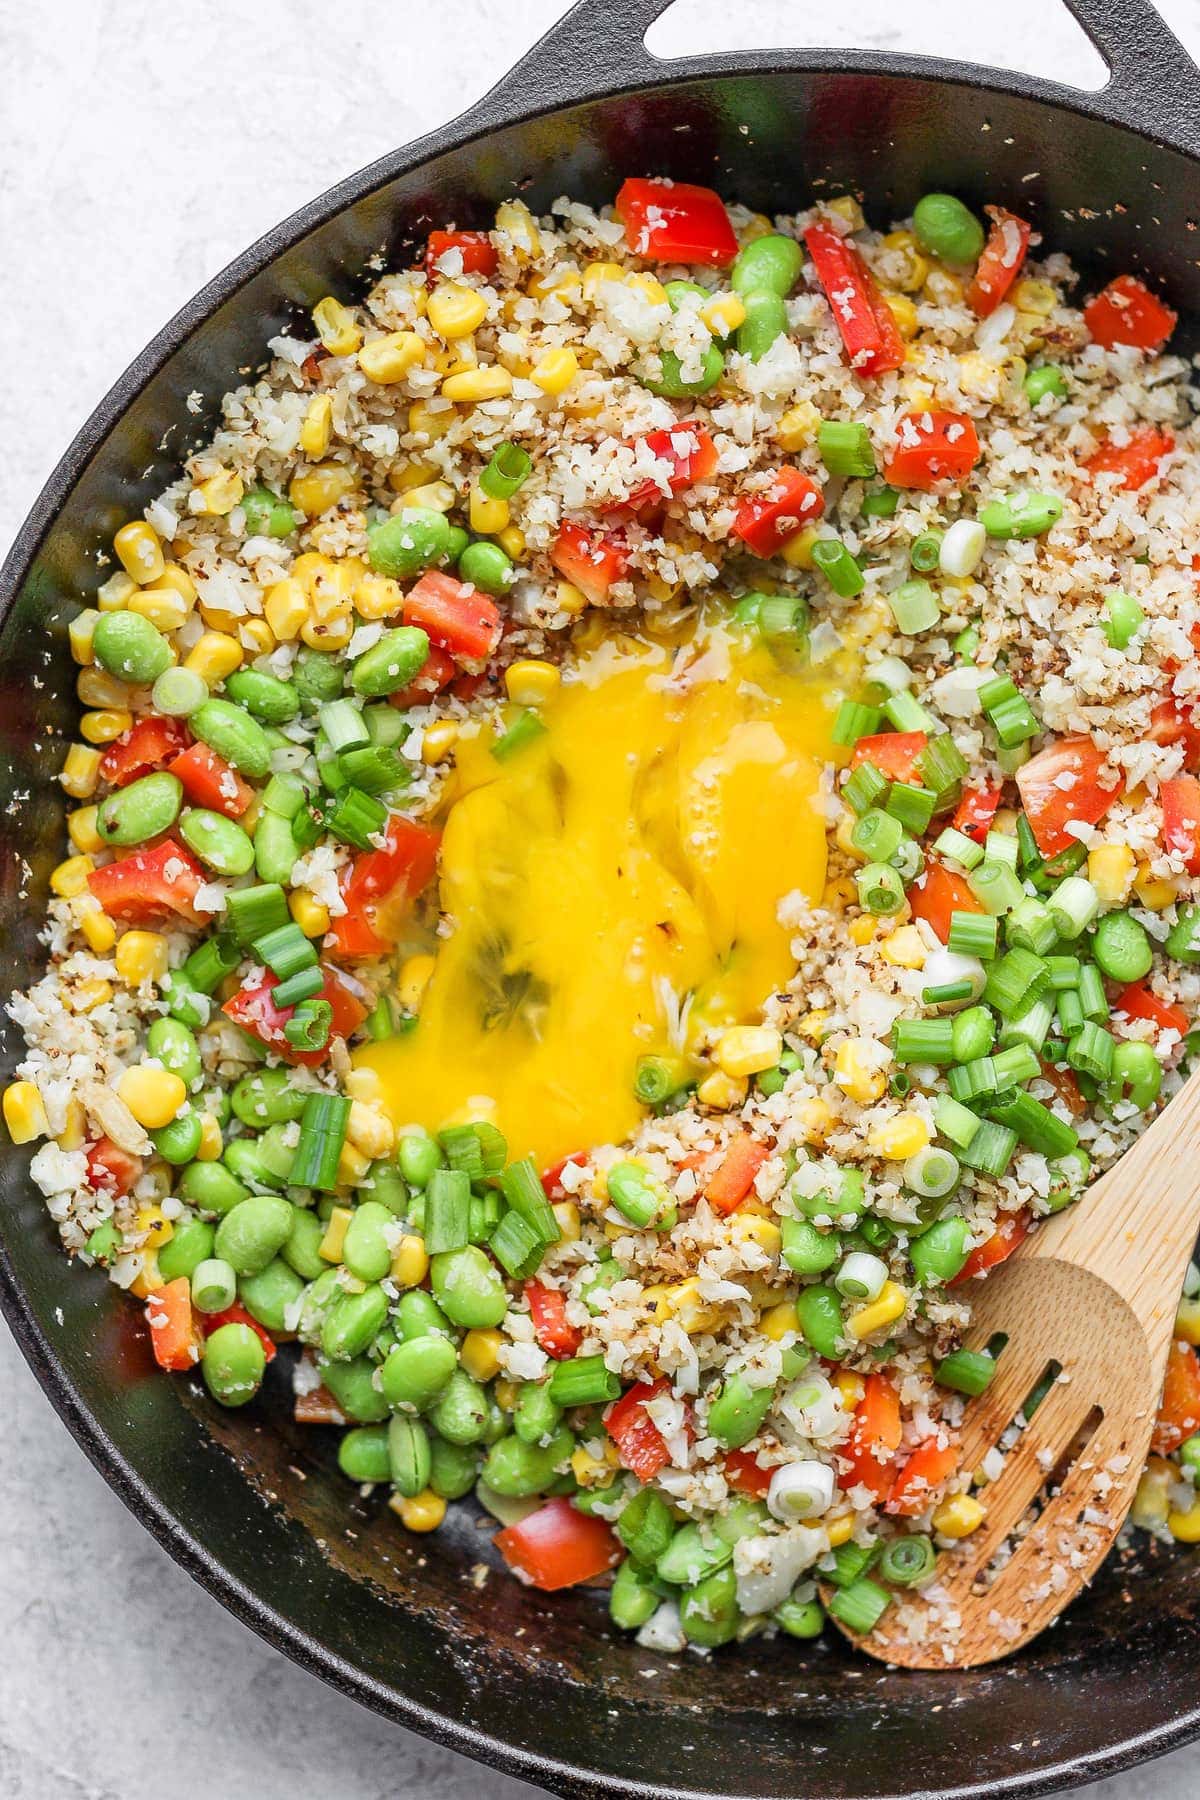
(1094, 1292)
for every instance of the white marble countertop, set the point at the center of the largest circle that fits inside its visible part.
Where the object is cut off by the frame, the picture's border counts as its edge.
(142, 145)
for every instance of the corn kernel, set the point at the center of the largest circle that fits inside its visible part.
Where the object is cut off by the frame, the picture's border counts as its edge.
(798, 426)
(115, 592)
(721, 1091)
(891, 1304)
(517, 222)
(142, 956)
(723, 314)
(899, 1138)
(82, 630)
(754, 1228)
(409, 474)
(780, 1320)
(429, 421)
(512, 541)
(1185, 1526)
(554, 371)
(905, 948)
(99, 932)
(472, 386)
(415, 976)
(256, 636)
(330, 1247)
(424, 1512)
(1111, 869)
(847, 208)
(904, 314)
(410, 1262)
(316, 429)
(137, 544)
(1187, 1321)
(569, 599)
(943, 287)
(176, 578)
(156, 1229)
(599, 274)
(850, 1387)
(353, 1167)
(531, 682)
(855, 1071)
(683, 1302)
(104, 726)
(81, 829)
(480, 1354)
(86, 996)
(812, 1024)
(438, 741)
(840, 1530)
(591, 1471)
(1034, 296)
(329, 634)
(310, 915)
(485, 514)
(71, 877)
(165, 609)
(389, 358)
(748, 1049)
(815, 1117)
(24, 1113)
(153, 1096)
(96, 687)
(915, 266)
(219, 494)
(148, 1279)
(860, 931)
(958, 1516)
(507, 1394)
(211, 1141)
(378, 597)
(566, 1214)
(322, 487)
(1154, 894)
(797, 552)
(213, 656)
(370, 1130)
(73, 1135)
(455, 311)
(336, 327)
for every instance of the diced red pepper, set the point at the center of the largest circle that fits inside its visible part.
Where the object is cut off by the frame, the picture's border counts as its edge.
(558, 1547)
(548, 1310)
(1136, 461)
(208, 780)
(690, 455)
(1010, 1231)
(874, 1438)
(675, 222)
(1137, 1001)
(937, 895)
(746, 1475)
(378, 886)
(1066, 1087)
(1173, 722)
(894, 753)
(928, 1468)
(150, 884)
(869, 331)
(318, 1407)
(1000, 264)
(437, 672)
(932, 446)
(766, 520)
(975, 812)
(146, 746)
(735, 1173)
(1061, 786)
(552, 1179)
(592, 560)
(173, 1335)
(110, 1170)
(1179, 1408)
(641, 1446)
(1180, 798)
(254, 1009)
(1126, 312)
(458, 618)
(479, 254)
(237, 1315)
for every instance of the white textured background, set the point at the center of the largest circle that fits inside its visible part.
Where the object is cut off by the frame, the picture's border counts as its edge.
(142, 144)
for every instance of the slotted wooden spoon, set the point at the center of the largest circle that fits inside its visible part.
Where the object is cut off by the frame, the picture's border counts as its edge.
(1095, 1290)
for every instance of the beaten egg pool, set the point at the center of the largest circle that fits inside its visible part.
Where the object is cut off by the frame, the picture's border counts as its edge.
(612, 889)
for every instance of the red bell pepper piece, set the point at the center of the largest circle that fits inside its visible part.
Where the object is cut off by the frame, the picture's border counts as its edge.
(746, 1475)
(1179, 1408)
(641, 1446)
(208, 780)
(150, 884)
(351, 936)
(734, 1177)
(1000, 264)
(173, 1335)
(478, 253)
(874, 1438)
(1061, 785)
(675, 222)
(1180, 798)
(1011, 1230)
(1173, 722)
(237, 1315)
(318, 1407)
(558, 1547)
(932, 446)
(456, 617)
(767, 519)
(146, 746)
(380, 881)
(928, 1468)
(592, 560)
(937, 895)
(109, 1169)
(975, 812)
(1066, 1087)
(437, 672)
(894, 753)
(690, 455)
(254, 1009)
(869, 332)
(548, 1310)
(552, 1179)
(1126, 312)
(1137, 1001)
(1136, 461)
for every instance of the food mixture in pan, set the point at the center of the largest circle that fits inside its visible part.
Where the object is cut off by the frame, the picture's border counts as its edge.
(635, 829)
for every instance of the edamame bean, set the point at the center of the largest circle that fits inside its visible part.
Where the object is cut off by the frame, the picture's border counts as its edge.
(819, 1311)
(316, 678)
(264, 696)
(1122, 947)
(1122, 618)
(268, 1097)
(807, 1250)
(1136, 1071)
(253, 1232)
(456, 543)
(947, 229)
(670, 384)
(250, 1163)
(214, 1285)
(417, 1371)
(365, 1250)
(680, 293)
(771, 263)
(461, 1414)
(408, 1454)
(212, 1188)
(302, 1249)
(275, 849)
(766, 320)
(392, 663)
(692, 1556)
(233, 734)
(352, 1385)
(515, 1469)
(800, 1618)
(418, 1156)
(178, 1141)
(142, 810)
(363, 1454)
(737, 1413)
(190, 1244)
(271, 1294)
(1045, 379)
(419, 1315)
(408, 541)
(846, 1206)
(469, 1288)
(536, 1416)
(220, 844)
(267, 515)
(352, 1322)
(129, 647)
(174, 1046)
(594, 1287)
(178, 692)
(708, 1612)
(487, 567)
(453, 1468)
(1021, 515)
(633, 1598)
(386, 1184)
(939, 1253)
(741, 1518)
(646, 1526)
(233, 1362)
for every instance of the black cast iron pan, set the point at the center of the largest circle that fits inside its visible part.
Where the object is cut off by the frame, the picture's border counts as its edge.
(253, 1508)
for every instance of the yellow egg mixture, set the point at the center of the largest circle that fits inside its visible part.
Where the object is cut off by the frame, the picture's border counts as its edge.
(612, 888)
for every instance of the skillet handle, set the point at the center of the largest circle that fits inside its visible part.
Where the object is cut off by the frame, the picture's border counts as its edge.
(1153, 81)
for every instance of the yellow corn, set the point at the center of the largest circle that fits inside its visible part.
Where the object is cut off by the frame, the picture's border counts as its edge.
(141, 956)
(148, 1279)
(569, 599)
(815, 1117)
(410, 474)
(156, 1229)
(214, 656)
(286, 609)
(329, 634)
(175, 577)
(256, 636)
(944, 287)
(566, 1214)
(517, 222)
(432, 422)
(1150, 1503)
(96, 687)
(424, 1512)
(137, 544)
(81, 631)
(330, 1247)
(455, 311)
(840, 1530)
(721, 1091)
(591, 1471)
(1034, 296)
(1185, 1526)
(99, 932)
(435, 496)
(220, 493)
(723, 314)
(958, 1516)
(438, 741)
(410, 1263)
(748, 1049)
(309, 913)
(847, 208)
(370, 1130)
(891, 1305)
(153, 1096)
(797, 551)
(74, 1132)
(649, 286)
(103, 726)
(512, 541)
(336, 327)
(811, 1025)
(860, 931)
(554, 371)
(81, 829)
(531, 682)
(378, 597)
(414, 979)
(316, 428)
(778, 1321)
(798, 426)
(855, 1073)
(165, 609)
(480, 1354)
(905, 948)
(486, 515)
(904, 313)
(211, 1142)
(899, 1138)
(474, 385)
(598, 274)
(1110, 869)
(24, 1114)
(682, 1301)
(71, 877)
(916, 267)
(850, 1387)
(116, 591)
(389, 358)
(320, 488)
(761, 1231)
(353, 1167)
(1154, 894)
(1187, 1321)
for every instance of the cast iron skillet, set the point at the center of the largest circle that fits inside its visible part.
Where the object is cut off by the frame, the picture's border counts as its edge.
(251, 1507)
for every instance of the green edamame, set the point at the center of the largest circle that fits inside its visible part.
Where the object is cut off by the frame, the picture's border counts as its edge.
(947, 229)
(142, 810)
(212, 1188)
(691, 1556)
(419, 1315)
(264, 696)
(267, 515)
(364, 1454)
(179, 1140)
(316, 678)
(461, 1415)
(220, 844)
(536, 1416)
(175, 1047)
(253, 1232)
(516, 1469)
(408, 541)
(633, 1598)
(800, 1618)
(670, 384)
(469, 1288)
(233, 734)
(271, 1294)
(352, 1322)
(1136, 1074)
(268, 1097)
(408, 1454)
(939, 1253)
(366, 1252)
(391, 663)
(352, 1385)
(232, 1363)
(806, 1250)
(275, 849)
(1122, 947)
(418, 1156)
(302, 1249)
(1021, 515)
(770, 264)
(453, 1468)
(190, 1244)
(417, 1371)
(129, 647)
(765, 321)
(646, 1527)
(708, 1612)
(487, 567)
(1045, 378)
(819, 1310)
(737, 1412)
